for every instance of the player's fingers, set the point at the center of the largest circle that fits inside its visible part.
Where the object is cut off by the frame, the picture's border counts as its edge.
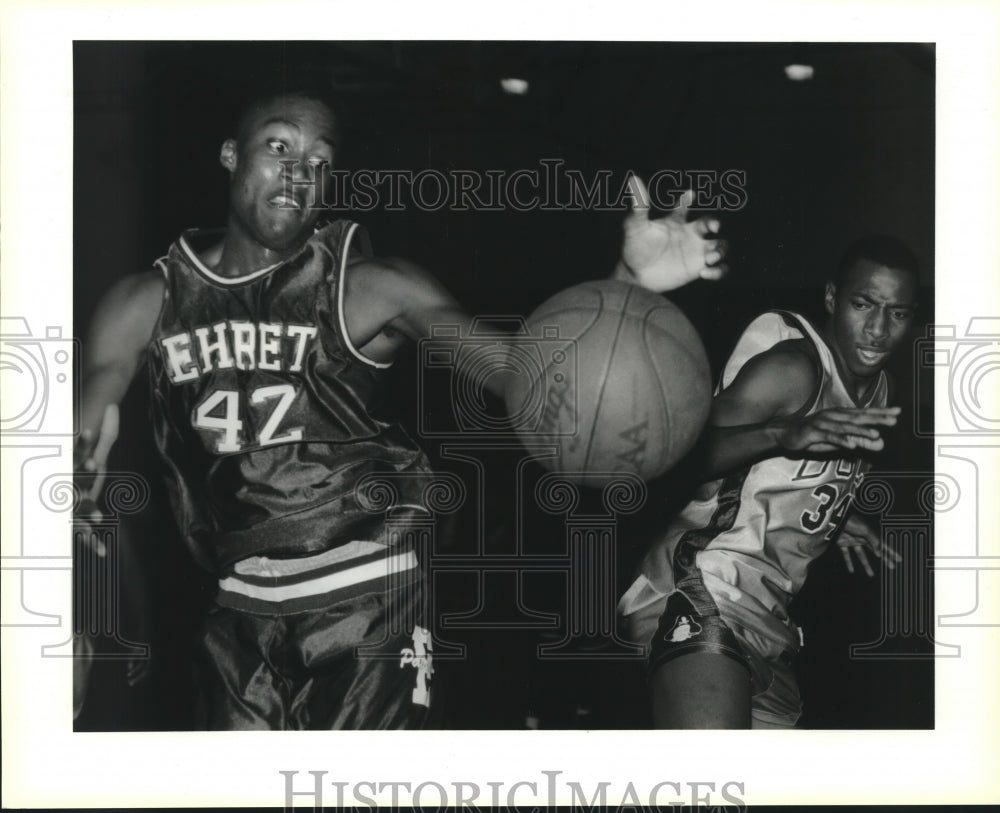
(841, 427)
(847, 559)
(820, 438)
(704, 226)
(847, 434)
(861, 417)
(680, 212)
(93, 542)
(639, 198)
(849, 440)
(836, 435)
(714, 272)
(96, 544)
(890, 557)
(886, 417)
(875, 444)
(715, 251)
(863, 558)
(864, 412)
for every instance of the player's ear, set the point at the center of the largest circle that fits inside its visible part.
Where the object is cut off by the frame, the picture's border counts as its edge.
(227, 155)
(830, 297)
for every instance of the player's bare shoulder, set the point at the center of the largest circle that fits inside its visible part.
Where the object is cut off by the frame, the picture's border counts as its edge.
(793, 371)
(137, 294)
(776, 382)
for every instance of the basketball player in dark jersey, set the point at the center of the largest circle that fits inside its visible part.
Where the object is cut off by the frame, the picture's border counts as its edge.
(796, 412)
(265, 344)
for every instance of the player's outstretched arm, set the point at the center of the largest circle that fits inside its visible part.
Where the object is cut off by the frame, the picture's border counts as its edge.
(671, 251)
(755, 416)
(392, 300)
(112, 352)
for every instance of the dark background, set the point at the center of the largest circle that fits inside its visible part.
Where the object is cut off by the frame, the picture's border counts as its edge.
(849, 152)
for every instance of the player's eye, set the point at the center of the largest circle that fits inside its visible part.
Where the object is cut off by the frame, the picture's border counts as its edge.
(277, 146)
(861, 306)
(900, 315)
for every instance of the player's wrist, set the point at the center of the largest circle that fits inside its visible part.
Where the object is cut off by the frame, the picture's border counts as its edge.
(623, 271)
(778, 434)
(626, 273)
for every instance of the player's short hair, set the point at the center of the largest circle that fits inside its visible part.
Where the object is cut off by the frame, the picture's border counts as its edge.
(882, 249)
(314, 88)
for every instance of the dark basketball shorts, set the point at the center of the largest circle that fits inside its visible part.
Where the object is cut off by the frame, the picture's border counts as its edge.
(331, 641)
(669, 626)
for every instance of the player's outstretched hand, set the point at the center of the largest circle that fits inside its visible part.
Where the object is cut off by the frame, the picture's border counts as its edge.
(671, 251)
(839, 428)
(858, 537)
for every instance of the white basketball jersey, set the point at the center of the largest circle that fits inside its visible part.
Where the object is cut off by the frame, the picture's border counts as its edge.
(754, 533)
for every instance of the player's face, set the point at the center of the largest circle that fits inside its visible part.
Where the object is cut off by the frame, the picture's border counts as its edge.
(277, 170)
(869, 317)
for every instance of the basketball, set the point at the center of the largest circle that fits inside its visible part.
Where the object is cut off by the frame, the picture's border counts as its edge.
(621, 383)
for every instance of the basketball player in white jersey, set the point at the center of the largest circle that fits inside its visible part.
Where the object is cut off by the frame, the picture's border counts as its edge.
(266, 342)
(797, 413)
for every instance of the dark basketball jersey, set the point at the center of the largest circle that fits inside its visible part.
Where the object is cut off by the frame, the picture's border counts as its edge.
(263, 410)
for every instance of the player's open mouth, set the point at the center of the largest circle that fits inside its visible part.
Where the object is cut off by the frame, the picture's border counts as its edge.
(871, 356)
(285, 202)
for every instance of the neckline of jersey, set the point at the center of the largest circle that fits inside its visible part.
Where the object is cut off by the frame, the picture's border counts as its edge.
(209, 274)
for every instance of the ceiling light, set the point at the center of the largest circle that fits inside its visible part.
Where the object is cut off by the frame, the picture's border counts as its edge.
(514, 87)
(799, 73)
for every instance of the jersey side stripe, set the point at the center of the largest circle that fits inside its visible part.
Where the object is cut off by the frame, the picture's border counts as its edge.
(341, 284)
(687, 575)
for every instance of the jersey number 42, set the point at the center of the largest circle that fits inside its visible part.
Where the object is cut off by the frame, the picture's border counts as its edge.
(219, 412)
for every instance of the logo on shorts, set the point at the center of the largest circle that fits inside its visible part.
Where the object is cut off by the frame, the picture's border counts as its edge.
(421, 658)
(684, 628)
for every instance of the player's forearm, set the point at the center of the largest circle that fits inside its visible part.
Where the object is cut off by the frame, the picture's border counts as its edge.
(728, 448)
(101, 386)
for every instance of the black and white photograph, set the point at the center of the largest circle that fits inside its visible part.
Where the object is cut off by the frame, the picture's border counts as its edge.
(501, 391)
(769, 222)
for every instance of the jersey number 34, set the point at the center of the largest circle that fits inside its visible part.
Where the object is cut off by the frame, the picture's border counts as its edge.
(830, 507)
(220, 412)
